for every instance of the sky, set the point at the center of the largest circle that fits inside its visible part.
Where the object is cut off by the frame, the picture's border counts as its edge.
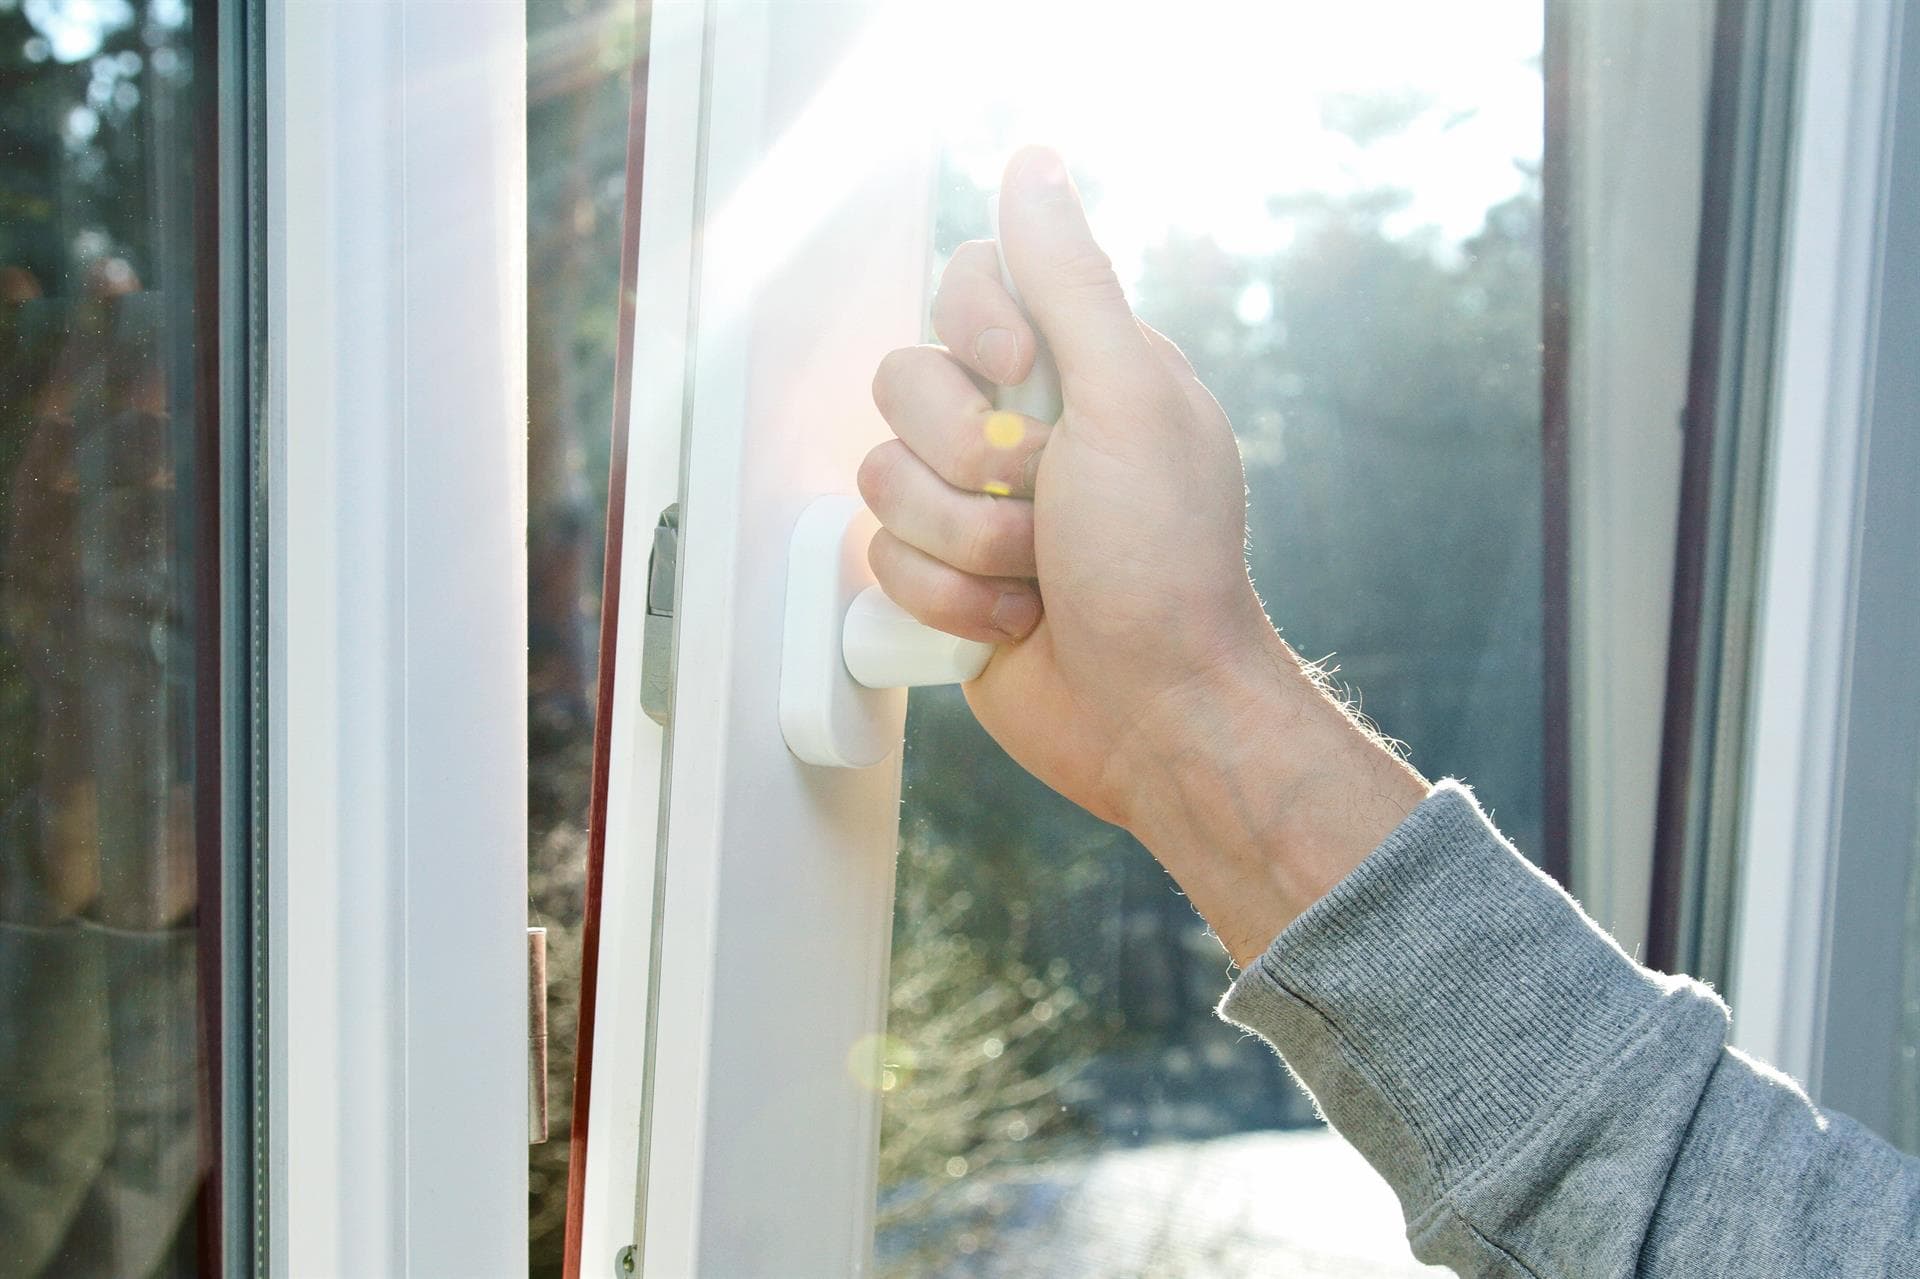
(1194, 115)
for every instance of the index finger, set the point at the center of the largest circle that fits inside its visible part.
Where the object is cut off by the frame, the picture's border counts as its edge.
(977, 319)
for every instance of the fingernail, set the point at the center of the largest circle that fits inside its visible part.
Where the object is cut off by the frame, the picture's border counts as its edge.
(998, 352)
(1016, 614)
(1043, 176)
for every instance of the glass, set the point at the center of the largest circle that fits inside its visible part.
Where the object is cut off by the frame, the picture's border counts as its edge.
(579, 76)
(104, 652)
(1336, 212)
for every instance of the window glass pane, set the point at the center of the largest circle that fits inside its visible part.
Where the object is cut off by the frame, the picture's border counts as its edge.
(579, 76)
(1335, 210)
(103, 650)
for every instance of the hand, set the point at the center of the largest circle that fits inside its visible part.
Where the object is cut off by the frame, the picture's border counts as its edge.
(1137, 673)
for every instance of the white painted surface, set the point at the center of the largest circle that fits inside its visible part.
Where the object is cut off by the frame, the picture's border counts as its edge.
(396, 267)
(828, 718)
(885, 647)
(1813, 508)
(664, 281)
(847, 652)
(1039, 396)
(813, 252)
(1638, 121)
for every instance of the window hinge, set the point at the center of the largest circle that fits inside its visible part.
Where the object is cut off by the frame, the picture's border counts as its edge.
(656, 636)
(536, 1036)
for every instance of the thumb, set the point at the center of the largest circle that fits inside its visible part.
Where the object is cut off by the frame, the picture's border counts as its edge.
(1064, 278)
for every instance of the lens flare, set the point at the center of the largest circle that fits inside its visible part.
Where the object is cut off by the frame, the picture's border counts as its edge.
(1004, 430)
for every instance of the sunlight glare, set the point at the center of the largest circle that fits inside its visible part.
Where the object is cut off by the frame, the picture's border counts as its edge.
(1193, 119)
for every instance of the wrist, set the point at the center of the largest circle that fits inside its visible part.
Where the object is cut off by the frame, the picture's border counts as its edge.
(1258, 792)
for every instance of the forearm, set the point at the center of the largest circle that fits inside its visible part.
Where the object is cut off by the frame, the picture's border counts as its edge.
(1542, 1104)
(1259, 793)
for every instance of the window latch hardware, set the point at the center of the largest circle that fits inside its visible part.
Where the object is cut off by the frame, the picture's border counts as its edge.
(656, 636)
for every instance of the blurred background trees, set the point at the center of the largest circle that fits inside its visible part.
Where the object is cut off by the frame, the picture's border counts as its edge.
(1051, 989)
(579, 77)
(1385, 388)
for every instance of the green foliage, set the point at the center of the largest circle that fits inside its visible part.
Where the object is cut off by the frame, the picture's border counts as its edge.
(979, 1046)
(1385, 389)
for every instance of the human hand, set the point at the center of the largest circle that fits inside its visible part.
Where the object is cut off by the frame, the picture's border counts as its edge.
(1129, 512)
(1105, 554)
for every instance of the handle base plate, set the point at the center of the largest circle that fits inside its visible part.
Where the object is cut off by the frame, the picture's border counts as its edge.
(827, 718)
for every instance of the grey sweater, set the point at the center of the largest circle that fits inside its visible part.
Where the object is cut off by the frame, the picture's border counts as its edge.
(1541, 1104)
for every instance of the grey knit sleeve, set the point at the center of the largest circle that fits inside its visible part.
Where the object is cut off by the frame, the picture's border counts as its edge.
(1541, 1104)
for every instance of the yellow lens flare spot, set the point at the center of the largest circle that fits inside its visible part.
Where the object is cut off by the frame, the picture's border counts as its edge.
(997, 488)
(880, 1063)
(1004, 430)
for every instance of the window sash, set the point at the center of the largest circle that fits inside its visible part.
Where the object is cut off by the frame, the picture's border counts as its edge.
(774, 880)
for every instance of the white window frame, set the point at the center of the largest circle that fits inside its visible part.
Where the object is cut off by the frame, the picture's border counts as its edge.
(744, 961)
(1637, 135)
(1810, 578)
(745, 949)
(664, 280)
(395, 273)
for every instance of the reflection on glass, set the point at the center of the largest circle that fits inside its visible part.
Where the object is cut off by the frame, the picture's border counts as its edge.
(1335, 211)
(579, 64)
(100, 1128)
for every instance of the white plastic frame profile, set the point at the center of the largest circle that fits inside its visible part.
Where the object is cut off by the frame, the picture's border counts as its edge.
(396, 197)
(1809, 577)
(775, 886)
(1636, 131)
(664, 279)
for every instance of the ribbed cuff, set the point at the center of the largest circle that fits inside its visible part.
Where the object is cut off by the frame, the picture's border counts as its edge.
(1445, 994)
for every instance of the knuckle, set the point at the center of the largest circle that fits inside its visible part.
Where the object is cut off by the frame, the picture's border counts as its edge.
(977, 541)
(977, 464)
(953, 604)
(981, 257)
(875, 476)
(889, 378)
(990, 542)
(999, 468)
(1086, 270)
(965, 307)
(884, 559)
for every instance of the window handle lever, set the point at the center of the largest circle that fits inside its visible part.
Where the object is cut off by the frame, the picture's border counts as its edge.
(849, 652)
(1039, 396)
(884, 647)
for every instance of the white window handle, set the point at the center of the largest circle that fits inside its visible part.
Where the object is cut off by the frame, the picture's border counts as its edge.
(1039, 396)
(849, 652)
(885, 647)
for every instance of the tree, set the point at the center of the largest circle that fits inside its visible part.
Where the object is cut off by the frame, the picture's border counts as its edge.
(1387, 403)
